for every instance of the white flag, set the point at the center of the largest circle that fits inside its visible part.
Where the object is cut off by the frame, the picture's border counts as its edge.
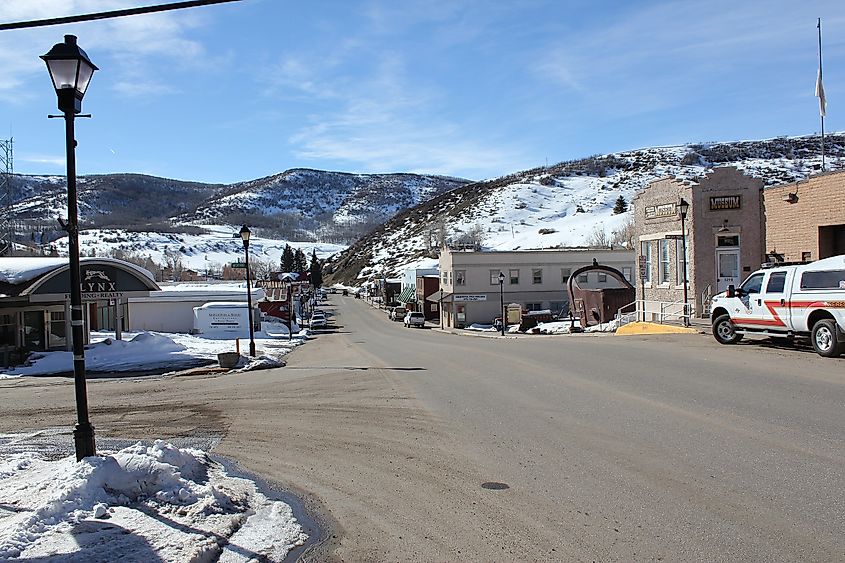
(820, 95)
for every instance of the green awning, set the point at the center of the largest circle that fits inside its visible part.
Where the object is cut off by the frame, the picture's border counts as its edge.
(408, 295)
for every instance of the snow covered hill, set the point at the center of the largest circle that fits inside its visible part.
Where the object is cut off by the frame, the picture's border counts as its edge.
(567, 204)
(299, 204)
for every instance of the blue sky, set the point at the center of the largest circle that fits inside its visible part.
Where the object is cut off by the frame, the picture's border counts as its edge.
(474, 89)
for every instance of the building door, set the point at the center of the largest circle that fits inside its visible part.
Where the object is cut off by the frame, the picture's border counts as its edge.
(33, 330)
(727, 268)
(831, 241)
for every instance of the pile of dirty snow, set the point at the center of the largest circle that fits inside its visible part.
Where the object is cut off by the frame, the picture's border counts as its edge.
(157, 503)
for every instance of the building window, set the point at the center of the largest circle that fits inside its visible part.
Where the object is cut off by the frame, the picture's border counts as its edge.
(663, 265)
(494, 277)
(582, 278)
(58, 334)
(533, 306)
(537, 275)
(626, 273)
(460, 277)
(776, 283)
(443, 275)
(681, 265)
(602, 278)
(7, 330)
(645, 252)
(514, 275)
(564, 274)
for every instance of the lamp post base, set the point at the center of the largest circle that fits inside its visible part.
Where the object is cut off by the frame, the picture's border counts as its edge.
(252, 349)
(83, 439)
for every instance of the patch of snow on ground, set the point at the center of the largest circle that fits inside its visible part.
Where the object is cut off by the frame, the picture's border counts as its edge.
(141, 503)
(152, 350)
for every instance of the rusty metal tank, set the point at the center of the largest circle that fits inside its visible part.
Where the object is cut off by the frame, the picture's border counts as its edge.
(598, 305)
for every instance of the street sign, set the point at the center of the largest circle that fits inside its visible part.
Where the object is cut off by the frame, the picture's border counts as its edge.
(643, 271)
(674, 237)
(238, 264)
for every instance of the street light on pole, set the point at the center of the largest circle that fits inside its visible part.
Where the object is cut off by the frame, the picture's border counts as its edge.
(245, 232)
(683, 208)
(502, 299)
(71, 71)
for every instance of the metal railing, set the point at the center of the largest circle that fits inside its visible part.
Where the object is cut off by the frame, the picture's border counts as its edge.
(661, 312)
(706, 300)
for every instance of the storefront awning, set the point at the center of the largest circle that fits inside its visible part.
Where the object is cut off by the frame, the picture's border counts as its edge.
(408, 295)
(439, 296)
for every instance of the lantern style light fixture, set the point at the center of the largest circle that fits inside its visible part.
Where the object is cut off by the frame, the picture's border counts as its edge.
(71, 70)
(502, 300)
(683, 209)
(245, 233)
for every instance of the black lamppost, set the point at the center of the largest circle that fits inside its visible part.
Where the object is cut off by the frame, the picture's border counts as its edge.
(245, 232)
(502, 300)
(71, 70)
(683, 208)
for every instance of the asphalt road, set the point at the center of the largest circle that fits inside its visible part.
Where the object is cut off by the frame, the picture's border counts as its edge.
(611, 448)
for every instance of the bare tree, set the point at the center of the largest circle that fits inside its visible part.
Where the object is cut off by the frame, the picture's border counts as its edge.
(474, 236)
(625, 234)
(260, 269)
(173, 261)
(598, 237)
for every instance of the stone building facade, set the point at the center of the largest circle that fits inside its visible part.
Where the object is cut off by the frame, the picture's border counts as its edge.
(806, 220)
(723, 232)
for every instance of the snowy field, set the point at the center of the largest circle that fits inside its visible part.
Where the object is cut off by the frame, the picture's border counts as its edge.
(157, 503)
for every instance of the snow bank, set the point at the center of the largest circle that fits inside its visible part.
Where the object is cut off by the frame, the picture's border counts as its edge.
(141, 503)
(147, 351)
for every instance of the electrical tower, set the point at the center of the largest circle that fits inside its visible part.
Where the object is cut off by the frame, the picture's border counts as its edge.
(7, 198)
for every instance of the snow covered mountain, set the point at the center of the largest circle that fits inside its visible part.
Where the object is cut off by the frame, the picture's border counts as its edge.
(302, 201)
(567, 204)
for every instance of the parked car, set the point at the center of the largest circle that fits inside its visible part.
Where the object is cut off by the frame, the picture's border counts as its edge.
(398, 313)
(414, 318)
(786, 301)
(318, 320)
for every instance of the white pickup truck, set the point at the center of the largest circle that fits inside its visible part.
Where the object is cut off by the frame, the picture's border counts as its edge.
(787, 301)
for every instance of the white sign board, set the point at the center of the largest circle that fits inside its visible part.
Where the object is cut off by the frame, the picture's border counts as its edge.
(223, 319)
(466, 297)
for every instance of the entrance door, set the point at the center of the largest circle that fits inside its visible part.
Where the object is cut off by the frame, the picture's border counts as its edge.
(33, 330)
(727, 268)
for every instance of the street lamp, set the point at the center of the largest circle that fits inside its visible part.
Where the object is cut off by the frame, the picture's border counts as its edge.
(502, 300)
(245, 232)
(683, 208)
(71, 70)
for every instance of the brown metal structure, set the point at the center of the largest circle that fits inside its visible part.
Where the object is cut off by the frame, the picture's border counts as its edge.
(598, 305)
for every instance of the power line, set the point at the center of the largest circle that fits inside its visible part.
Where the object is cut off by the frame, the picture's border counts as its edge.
(112, 14)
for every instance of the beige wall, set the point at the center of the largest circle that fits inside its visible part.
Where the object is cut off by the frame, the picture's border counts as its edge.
(792, 229)
(703, 227)
(478, 265)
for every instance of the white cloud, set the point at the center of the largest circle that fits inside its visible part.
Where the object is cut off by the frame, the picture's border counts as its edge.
(41, 159)
(124, 45)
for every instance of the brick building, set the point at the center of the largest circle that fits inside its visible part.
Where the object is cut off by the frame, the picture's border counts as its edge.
(723, 233)
(806, 220)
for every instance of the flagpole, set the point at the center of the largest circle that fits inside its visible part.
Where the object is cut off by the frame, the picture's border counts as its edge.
(821, 100)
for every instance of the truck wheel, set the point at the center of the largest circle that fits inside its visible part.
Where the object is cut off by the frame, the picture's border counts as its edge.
(724, 330)
(824, 339)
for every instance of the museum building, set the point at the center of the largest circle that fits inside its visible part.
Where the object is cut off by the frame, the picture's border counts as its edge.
(722, 230)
